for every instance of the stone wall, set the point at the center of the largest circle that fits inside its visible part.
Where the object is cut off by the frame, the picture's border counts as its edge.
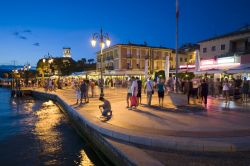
(87, 130)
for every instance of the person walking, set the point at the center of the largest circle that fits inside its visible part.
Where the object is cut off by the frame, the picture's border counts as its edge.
(196, 84)
(217, 86)
(83, 89)
(149, 89)
(189, 90)
(226, 90)
(245, 90)
(129, 92)
(77, 92)
(161, 89)
(134, 89)
(139, 83)
(92, 86)
(204, 91)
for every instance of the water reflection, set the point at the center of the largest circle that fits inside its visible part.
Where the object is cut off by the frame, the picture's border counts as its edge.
(35, 132)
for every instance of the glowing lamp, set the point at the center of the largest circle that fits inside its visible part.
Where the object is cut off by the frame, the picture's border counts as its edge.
(102, 44)
(93, 42)
(108, 42)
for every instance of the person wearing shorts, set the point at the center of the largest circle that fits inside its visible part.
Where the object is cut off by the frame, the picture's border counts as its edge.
(129, 92)
(161, 89)
(139, 82)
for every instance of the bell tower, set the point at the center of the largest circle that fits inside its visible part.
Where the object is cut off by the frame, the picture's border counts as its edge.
(66, 52)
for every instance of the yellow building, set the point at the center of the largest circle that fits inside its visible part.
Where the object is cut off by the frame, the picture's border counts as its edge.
(129, 59)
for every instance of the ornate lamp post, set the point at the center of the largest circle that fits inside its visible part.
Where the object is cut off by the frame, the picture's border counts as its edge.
(103, 38)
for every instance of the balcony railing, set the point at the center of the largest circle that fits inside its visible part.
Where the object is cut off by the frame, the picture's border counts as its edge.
(129, 56)
(109, 67)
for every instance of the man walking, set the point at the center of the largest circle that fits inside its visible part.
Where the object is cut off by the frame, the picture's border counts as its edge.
(149, 89)
(83, 89)
(139, 82)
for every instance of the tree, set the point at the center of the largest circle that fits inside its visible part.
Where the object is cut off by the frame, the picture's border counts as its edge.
(89, 60)
(84, 60)
(5, 75)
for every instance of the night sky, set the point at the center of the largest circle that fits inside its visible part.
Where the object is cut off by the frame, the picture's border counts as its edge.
(30, 29)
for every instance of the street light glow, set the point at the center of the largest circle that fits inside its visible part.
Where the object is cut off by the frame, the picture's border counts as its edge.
(93, 42)
(102, 44)
(108, 42)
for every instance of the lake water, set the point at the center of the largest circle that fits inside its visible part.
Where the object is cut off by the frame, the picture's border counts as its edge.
(36, 132)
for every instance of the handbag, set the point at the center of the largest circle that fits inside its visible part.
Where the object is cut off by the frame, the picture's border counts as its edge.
(133, 101)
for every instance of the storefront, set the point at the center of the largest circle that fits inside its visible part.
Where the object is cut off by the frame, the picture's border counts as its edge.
(229, 67)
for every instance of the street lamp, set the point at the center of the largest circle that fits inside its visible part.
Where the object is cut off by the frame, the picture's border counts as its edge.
(103, 38)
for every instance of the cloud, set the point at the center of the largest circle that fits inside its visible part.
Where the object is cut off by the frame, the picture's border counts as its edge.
(36, 44)
(16, 33)
(27, 31)
(23, 37)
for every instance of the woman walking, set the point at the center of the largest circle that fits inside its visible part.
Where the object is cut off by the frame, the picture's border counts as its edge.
(226, 90)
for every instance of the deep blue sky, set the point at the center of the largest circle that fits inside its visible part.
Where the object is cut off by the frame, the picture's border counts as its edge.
(58, 23)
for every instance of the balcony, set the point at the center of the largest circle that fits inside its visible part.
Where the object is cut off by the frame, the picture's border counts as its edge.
(129, 56)
(109, 67)
(240, 50)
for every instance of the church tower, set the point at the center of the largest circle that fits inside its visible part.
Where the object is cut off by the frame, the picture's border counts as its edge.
(66, 52)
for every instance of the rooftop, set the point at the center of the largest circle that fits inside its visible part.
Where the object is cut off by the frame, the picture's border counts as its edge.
(242, 30)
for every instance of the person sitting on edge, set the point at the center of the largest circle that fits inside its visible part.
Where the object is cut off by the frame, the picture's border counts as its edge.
(106, 106)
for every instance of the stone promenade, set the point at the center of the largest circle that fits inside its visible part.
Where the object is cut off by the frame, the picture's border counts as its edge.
(219, 127)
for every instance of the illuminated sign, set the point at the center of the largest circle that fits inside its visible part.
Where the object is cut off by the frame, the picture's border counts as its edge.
(207, 62)
(226, 60)
(187, 66)
(226, 65)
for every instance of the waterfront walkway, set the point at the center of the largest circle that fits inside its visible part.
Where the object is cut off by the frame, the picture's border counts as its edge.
(220, 127)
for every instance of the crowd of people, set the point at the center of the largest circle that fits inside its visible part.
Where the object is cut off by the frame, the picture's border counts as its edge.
(232, 89)
(197, 88)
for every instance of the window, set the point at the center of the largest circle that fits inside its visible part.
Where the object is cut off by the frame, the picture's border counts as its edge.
(185, 59)
(138, 66)
(128, 51)
(204, 50)
(180, 59)
(213, 48)
(222, 47)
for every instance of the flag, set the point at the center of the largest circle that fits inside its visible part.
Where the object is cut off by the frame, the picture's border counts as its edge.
(177, 9)
(167, 65)
(197, 60)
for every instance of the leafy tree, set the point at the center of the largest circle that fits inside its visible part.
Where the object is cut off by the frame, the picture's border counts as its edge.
(5, 75)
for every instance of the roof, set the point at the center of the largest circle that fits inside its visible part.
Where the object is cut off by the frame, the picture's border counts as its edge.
(137, 45)
(242, 30)
(145, 45)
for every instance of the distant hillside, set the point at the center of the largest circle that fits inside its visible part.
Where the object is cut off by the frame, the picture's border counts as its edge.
(9, 68)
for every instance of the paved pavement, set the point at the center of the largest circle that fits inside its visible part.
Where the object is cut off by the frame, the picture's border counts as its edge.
(176, 121)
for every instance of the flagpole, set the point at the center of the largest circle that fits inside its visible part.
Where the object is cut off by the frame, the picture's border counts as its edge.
(176, 57)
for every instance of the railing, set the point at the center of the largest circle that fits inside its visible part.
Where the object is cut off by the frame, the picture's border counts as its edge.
(109, 68)
(129, 56)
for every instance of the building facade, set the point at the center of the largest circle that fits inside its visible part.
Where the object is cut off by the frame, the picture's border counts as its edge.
(130, 59)
(232, 44)
(229, 53)
(67, 52)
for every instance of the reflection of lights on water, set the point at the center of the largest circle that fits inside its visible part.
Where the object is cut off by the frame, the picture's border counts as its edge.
(85, 159)
(48, 117)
